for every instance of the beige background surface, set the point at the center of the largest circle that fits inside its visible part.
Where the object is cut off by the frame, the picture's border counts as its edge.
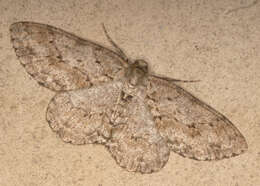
(217, 42)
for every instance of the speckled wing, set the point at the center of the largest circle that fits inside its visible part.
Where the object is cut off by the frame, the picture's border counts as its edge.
(62, 61)
(136, 144)
(83, 116)
(192, 128)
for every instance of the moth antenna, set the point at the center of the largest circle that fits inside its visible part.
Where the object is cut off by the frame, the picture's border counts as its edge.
(175, 80)
(118, 49)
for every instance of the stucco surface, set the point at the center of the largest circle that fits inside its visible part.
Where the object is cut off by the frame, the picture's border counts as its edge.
(216, 42)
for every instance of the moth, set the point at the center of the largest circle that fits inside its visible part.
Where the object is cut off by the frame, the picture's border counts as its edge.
(103, 97)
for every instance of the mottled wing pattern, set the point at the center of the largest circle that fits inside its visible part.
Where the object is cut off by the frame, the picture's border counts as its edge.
(192, 128)
(136, 144)
(83, 116)
(62, 61)
(105, 114)
(96, 103)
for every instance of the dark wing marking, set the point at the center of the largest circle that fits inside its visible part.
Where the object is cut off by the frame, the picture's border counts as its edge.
(192, 128)
(81, 116)
(62, 61)
(136, 145)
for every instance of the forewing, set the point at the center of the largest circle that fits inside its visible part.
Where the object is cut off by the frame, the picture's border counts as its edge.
(80, 116)
(192, 128)
(62, 61)
(136, 144)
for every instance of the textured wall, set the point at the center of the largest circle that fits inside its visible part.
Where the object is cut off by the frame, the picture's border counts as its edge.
(217, 42)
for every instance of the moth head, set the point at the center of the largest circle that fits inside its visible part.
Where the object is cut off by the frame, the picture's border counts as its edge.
(141, 65)
(137, 71)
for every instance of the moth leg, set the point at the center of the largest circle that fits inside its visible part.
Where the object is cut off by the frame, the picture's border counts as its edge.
(105, 129)
(119, 111)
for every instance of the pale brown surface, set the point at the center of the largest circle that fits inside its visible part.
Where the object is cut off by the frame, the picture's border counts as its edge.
(117, 103)
(216, 42)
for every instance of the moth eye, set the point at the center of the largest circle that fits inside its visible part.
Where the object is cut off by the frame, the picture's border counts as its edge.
(169, 99)
(126, 97)
(79, 60)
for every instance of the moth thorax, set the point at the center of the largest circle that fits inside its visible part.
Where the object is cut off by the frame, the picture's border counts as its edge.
(137, 72)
